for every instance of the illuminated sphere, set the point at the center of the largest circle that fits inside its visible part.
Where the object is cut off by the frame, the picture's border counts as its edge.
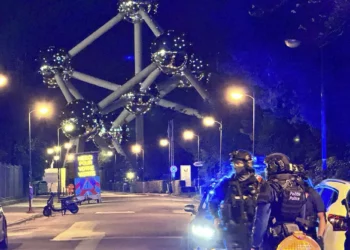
(131, 7)
(141, 102)
(198, 69)
(54, 61)
(292, 43)
(170, 52)
(109, 133)
(84, 117)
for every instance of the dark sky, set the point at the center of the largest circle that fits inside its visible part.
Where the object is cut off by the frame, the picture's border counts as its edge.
(213, 26)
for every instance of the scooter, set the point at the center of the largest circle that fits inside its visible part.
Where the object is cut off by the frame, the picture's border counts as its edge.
(67, 203)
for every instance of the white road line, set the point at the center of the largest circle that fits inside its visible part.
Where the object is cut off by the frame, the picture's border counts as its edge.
(90, 244)
(180, 212)
(116, 212)
(82, 230)
(142, 237)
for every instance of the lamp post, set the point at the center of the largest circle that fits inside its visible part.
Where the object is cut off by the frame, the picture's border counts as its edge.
(239, 95)
(42, 110)
(189, 135)
(165, 143)
(210, 122)
(137, 149)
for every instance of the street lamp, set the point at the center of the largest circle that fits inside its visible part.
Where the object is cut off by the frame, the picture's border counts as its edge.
(237, 95)
(210, 121)
(137, 149)
(50, 151)
(3, 80)
(42, 109)
(164, 142)
(67, 145)
(130, 175)
(189, 135)
(56, 158)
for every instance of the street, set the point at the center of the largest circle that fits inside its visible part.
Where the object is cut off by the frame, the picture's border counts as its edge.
(120, 222)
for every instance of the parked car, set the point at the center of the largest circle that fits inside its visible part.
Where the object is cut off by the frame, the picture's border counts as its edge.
(333, 191)
(3, 231)
(201, 231)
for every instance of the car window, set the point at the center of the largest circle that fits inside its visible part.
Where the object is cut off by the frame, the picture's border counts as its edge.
(329, 196)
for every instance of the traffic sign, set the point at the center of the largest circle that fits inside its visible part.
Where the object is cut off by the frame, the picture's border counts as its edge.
(198, 164)
(173, 169)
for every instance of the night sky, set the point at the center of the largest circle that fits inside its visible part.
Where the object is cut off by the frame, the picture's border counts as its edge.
(215, 27)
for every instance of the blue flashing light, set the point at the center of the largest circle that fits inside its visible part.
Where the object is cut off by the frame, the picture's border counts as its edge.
(129, 58)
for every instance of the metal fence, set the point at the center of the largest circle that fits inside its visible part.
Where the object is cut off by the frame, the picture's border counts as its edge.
(11, 181)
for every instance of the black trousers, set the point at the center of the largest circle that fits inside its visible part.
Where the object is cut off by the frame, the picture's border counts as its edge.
(237, 237)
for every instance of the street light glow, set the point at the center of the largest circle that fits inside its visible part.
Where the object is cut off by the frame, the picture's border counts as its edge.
(3, 80)
(56, 157)
(136, 149)
(188, 135)
(43, 109)
(236, 96)
(164, 142)
(57, 149)
(50, 151)
(208, 121)
(68, 145)
(130, 175)
(68, 127)
(109, 153)
(70, 157)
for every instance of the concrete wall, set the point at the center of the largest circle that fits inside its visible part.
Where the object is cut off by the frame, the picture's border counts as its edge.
(11, 181)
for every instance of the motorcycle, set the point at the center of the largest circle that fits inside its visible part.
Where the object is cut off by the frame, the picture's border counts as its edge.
(67, 203)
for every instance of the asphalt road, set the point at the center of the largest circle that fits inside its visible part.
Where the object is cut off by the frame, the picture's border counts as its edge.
(121, 223)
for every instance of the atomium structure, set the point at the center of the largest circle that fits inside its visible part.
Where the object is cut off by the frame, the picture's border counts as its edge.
(102, 122)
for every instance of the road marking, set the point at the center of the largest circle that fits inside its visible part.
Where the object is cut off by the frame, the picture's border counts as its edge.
(15, 234)
(82, 230)
(90, 244)
(179, 212)
(141, 237)
(116, 212)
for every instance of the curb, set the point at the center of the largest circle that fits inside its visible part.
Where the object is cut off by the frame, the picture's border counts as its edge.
(25, 220)
(5, 203)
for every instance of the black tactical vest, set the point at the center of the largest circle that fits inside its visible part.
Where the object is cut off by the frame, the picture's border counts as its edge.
(241, 199)
(290, 200)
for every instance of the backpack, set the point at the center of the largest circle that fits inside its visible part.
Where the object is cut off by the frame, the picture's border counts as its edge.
(290, 200)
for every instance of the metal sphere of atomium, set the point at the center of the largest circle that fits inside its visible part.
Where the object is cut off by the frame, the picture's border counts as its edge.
(170, 51)
(198, 69)
(54, 61)
(140, 102)
(110, 133)
(131, 7)
(79, 118)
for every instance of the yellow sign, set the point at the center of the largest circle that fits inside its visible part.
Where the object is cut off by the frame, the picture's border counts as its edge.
(86, 166)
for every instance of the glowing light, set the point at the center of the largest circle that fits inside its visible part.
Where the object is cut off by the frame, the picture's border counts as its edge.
(56, 157)
(292, 43)
(68, 145)
(188, 135)
(164, 142)
(68, 127)
(208, 121)
(109, 153)
(296, 139)
(50, 151)
(136, 149)
(43, 109)
(70, 157)
(130, 175)
(57, 149)
(3, 80)
(86, 166)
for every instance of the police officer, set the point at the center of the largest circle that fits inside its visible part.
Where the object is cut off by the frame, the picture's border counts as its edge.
(234, 200)
(280, 203)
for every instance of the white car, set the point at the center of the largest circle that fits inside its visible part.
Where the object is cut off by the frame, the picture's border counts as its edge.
(333, 191)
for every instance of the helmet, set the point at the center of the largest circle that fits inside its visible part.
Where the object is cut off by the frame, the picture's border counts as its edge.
(242, 155)
(278, 163)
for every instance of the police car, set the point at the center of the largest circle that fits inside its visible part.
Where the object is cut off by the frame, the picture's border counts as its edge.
(3, 231)
(201, 231)
(333, 191)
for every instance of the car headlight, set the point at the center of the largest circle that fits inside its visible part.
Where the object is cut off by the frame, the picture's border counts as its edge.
(203, 231)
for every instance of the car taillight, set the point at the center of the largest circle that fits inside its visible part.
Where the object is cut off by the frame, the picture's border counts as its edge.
(338, 222)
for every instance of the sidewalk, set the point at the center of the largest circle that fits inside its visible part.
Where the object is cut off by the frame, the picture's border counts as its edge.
(17, 213)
